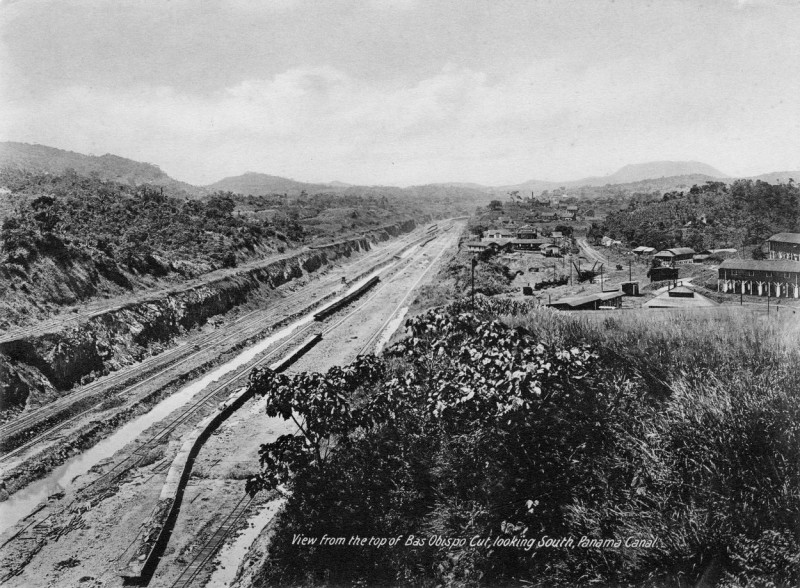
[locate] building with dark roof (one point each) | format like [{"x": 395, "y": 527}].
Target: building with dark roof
[
  {"x": 529, "y": 244},
  {"x": 527, "y": 232},
  {"x": 674, "y": 256},
  {"x": 784, "y": 246},
  {"x": 596, "y": 301},
  {"x": 769, "y": 277}
]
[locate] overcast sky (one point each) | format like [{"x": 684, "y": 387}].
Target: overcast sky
[{"x": 406, "y": 91}]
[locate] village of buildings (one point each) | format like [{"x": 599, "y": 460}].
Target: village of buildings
[{"x": 565, "y": 272}]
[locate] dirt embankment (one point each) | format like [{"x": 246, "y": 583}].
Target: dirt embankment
[{"x": 36, "y": 369}]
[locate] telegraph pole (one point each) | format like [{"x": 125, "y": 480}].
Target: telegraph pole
[{"x": 474, "y": 263}]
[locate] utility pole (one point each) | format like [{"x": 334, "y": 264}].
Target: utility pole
[
  {"x": 570, "y": 269},
  {"x": 630, "y": 271},
  {"x": 474, "y": 263}
]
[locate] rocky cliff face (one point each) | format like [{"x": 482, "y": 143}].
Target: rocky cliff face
[{"x": 34, "y": 370}]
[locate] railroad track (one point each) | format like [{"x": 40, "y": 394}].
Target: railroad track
[
  {"x": 40, "y": 526},
  {"x": 213, "y": 543},
  {"x": 45, "y": 524},
  {"x": 87, "y": 398},
  {"x": 205, "y": 555}
]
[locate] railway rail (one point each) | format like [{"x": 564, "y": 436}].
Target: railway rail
[
  {"x": 139, "y": 571},
  {"x": 48, "y": 522},
  {"x": 58, "y": 415}
]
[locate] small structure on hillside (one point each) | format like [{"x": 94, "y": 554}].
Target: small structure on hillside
[
  {"x": 680, "y": 297},
  {"x": 784, "y": 246},
  {"x": 630, "y": 288},
  {"x": 529, "y": 244},
  {"x": 498, "y": 234},
  {"x": 527, "y": 232},
  {"x": 659, "y": 274},
  {"x": 478, "y": 246},
  {"x": 596, "y": 301},
  {"x": 550, "y": 250},
  {"x": 643, "y": 250},
  {"x": 675, "y": 256}
]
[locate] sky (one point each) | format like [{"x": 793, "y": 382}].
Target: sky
[{"x": 406, "y": 91}]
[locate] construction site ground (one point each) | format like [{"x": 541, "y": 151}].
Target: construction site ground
[{"x": 89, "y": 543}]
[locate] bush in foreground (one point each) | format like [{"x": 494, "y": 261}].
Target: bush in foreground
[{"x": 473, "y": 428}]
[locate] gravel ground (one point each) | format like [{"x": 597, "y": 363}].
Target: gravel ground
[{"x": 99, "y": 544}]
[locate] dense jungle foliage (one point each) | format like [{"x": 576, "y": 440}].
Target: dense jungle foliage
[
  {"x": 519, "y": 424},
  {"x": 67, "y": 237},
  {"x": 714, "y": 215}
]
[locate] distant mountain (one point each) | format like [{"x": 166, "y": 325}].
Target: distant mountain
[
  {"x": 652, "y": 170},
  {"x": 258, "y": 184},
  {"x": 662, "y": 171},
  {"x": 776, "y": 177},
  {"x": 42, "y": 159}
]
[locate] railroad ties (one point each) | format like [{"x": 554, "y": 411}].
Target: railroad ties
[
  {"x": 213, "y": 543},
  {"x": 140, "y": 568}
]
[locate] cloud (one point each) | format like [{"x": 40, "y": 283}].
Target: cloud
[{"x": 320, "y": 123}]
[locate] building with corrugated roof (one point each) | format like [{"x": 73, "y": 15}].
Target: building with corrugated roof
[{"x": 769, "y": 277}]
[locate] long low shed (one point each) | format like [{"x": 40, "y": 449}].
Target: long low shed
[
  {"x": 589, "y": 301},
  {"x": 769, "y": 277}
]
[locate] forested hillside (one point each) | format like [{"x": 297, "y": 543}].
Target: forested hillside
[
  {"x": 713, "y": 215},
  {"x": 49, "y": 160},
  {"x": 68, "y": 237}
]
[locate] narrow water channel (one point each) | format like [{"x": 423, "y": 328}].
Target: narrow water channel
[{"x": 22, "y": 503}]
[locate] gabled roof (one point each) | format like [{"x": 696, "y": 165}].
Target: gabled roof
[
  {"x": 586, "y": 298},
  {"x": 531, "y": 241},
  {"x": 643, "y": 249},
  {"x": 765, "y": 265},
  {"x": 675, "y": 251},
  {"x": 786, "y": 238}
]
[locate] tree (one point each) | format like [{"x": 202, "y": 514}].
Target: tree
[{"x": 495, "y": 205}]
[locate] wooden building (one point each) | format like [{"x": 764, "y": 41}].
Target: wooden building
[
  {"x": 771, "y": 277},
  {"x": 527, "y": 232},
  {"x": 529, "y": 244},
  {"x": 499, "y": 234},
  {"x": 675, "y": 256},
  {"x": 784, "y": 246}
]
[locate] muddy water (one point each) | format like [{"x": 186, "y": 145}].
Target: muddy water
[{"x": 22, "y": 503}]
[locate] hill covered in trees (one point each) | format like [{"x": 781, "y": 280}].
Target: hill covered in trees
[
  {"x": 49, "y": 160},
  {"x": 712, "y": 215},
  {"x": 67, "y": 237}
]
